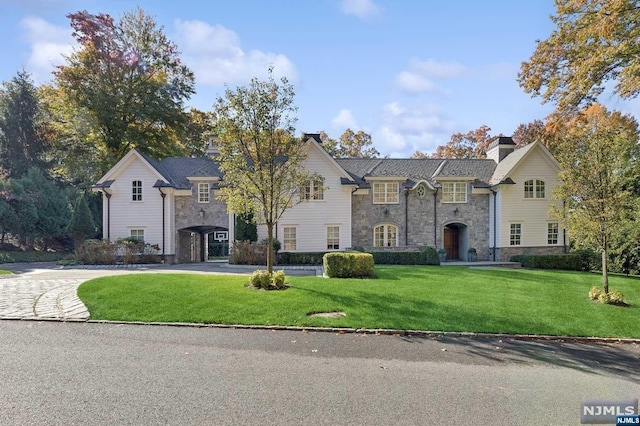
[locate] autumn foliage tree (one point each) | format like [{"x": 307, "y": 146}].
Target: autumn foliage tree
[
  {"x": 350, "y": 145},
  {"x": 465, "y": 145},
  {"x": 595, "y": 41},
  {"x": 598, "y": 151},
  {"x": 125, "y": 84}
]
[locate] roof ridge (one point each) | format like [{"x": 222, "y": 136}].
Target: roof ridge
[{"x": 439, "y": 169}]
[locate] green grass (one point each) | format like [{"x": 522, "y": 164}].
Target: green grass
[
  {"x": 4, "y": 272},
  {"x": 410, "y": 298}
]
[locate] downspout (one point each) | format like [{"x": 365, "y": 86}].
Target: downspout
[
  {"x": 435, "y": 219},
  {"x": 564, "y": 231},
  {"x": 495, "y": 214},
  {"x": 406, "y": 217},
  {"x": 108, "y": 195},
  {"x": 163, "y": 195}
]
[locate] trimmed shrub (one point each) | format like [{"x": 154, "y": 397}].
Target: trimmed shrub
[
  {"x": 348, "y": 265},
  {"x": 590, "y": 260},
  {"x": 568, "y": 262},
  {"x": 594, "y": 293},
  {"x": 261, "y": 279},
  {"x": 426, "y": 256},
  {"x": 308, "y": 258},
  {"x": 31, "y": 256},
  {"x": 616, "y": 298}
]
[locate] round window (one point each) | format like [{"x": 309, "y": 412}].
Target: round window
[{"x": 421, "y": 191}]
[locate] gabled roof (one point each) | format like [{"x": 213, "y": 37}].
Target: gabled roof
[
  {"x": 173, "y": 171},
  {"x": 481, "y": 169},
  {"x": 506, "y": 166}
]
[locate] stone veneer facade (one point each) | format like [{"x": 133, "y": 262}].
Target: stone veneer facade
[
  {"x": 416, "y": 229},
  {"x": 505, "y": 253}
]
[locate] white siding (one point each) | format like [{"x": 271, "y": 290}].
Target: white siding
[
  {"x": 311, "y": 218},
  {"x": 127, "y": 214},
  {"x": 533, "y": 213}
]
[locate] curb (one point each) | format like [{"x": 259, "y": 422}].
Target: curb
[{"x": 340, "y": 330}]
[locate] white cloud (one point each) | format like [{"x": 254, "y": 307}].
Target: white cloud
[
  {"x": 421, "y": 75},
  {"x": 404, "y": 130},
  {"x": 344, "y": 120},
  {"x": 48, "y": 43},
  {"x": 362, "y": 9},
  {"x": 214, "y": 54}
]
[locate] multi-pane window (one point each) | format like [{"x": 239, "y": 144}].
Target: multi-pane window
[
  {"x": 385, "y": 236},
  {"x": 552, "y": 233},
  {"x": 289, "y": 238},
  {"x": 312, "y": 191},
  {"x": 454, "y": 192},
  {"x": 534, "y": 189},
  {"x": 333, "y": 237},
  {"x": 385, "y": 192},
  {"x": 203, "y": 192},
  {"x": 137, "y": 234},
  {"x": 515, "y": 236},
  {"x": 136, "y": 190}
]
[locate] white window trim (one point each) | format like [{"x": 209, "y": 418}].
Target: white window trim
[
  {"x": 141, "y": 191},
  {"x": 208, "y": 192},
  {"x": 535, "y": 182},
  {"x": 385, "y": 235},
  {"x": 455, "y": 184},
  {"x": 295, "y": 238},
  {"x": 511, "y": 234},
  {"x": 312, "y": 191},
  {"x": 337, "y": 239},
  {"x": 557, "y": 233},
  {"x": 132, "y": 230},
  {"x": 386, "y": 192}
]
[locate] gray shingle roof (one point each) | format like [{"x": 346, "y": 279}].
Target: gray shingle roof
[
  {"x": 505, "y": 166},
  {"x": 176, "y": 170},
  {"x": 417, "y": 169}
]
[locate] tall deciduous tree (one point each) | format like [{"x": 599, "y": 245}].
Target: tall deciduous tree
[
  {"x": 127, "y": 86},
  {"x": 22, "y": 137},
  {"x": 527, "y": 133},
  {"x": 465, "y": 145},
  {"x": 595, "y": 41},
  {"x": 599, "y": 155},
  {"x": 350, "y": 145},
  {"x": 259, "y": 154}
]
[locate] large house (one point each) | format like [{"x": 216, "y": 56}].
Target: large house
[{"x": 500, "y": 206}]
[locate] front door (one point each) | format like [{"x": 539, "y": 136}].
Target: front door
[{"x": 451, "y": 242}]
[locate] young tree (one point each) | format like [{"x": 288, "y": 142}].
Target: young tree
[
  {"x": 599, "y": 155},
  {"x": 259, "y": 155},
  {"x": 594, "y": 41},
  {"x": 81, "y": 225},
  {"x": 465, "y": 145},
  {"x": 22, "y": 139},
  {"x": 127, "y": 86}
]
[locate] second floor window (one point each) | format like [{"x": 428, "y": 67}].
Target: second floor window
[
  {"x": 136, "y": 190},
  {"x": 385, "y": 192},
  {"x": 203, "y": 192},
  {"x": 312, "y": 191},
  {"x": 454, "y": 192},
  {"x": 534, "y": 188}
]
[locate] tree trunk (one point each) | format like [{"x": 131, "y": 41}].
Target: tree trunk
[
  {"x": 270, "y": 247},
  {"x": 605, "y": 275}
]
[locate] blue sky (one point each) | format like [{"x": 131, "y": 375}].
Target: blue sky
[{"x": 409, "y": 72}]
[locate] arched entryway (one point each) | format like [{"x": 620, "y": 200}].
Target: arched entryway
[
  {"x": 193, "y": 242},
  {"x": 456, "y": 240}
]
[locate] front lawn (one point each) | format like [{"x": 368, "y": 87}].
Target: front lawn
[
  {"x": 5, "y": 272},
  {"x": 401, "y": 297}
]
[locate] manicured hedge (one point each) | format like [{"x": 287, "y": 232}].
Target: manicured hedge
[
  {"x": 427, "y": 256},
  {"x": 569, "y": 262},
  {"x": 348, "y": 265},
  {"x": 307, "y": 258},
  {"x": 30, "y": 256}
]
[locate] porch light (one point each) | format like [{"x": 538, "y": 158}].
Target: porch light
[{"x": 201, "y": 213}]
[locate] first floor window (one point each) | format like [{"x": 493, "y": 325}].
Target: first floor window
[
  {"x": 454, "y": 192},
  {"x": 552, "y": 233},
  {"x": 385, "y": 236},
  {"x": 516, "y": 234},
  {"x": 333, "y": 237},
  {"x": 289, "y": 238},
  {"x": 203, "y": 192},
  {"x": 137, "y": 234},
  {"x": 385, "y": 193},
  {"x": 136, "y": 190}
]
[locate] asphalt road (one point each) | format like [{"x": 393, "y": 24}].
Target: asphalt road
[{"x": 54, "y": 373}]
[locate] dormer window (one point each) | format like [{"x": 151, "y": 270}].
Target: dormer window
[{"x": 534, "y": 189}]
